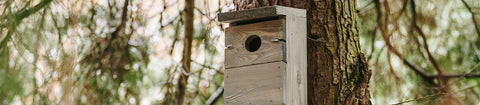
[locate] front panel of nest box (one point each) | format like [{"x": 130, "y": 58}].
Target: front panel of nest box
[
  {"x": 254, "y": 62},
  {"x": 254, "y": 43}
]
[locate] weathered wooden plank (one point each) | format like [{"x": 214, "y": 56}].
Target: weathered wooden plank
[
  {"x": 250, "y": 14},
  {"x": 296, "y": 56},
  {"x": 259, "y": 13},
  {"x": 237, "y": 55},
  {"x": 255, "y": 85}
]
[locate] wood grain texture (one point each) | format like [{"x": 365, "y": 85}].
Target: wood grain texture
[
  {"x": 269, "y": 51},
  {"x": 296, "y": 56},
  {"x": 258, "y": 13},
  {"x": 290, "y": 26},
  {"x": 255, "y": 85},
  {"x": 246, "y": 15}
]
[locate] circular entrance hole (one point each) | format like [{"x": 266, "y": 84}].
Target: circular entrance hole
[{"x": 253, "y": 43}]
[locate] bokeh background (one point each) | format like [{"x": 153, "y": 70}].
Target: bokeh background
[{"x": 130, "y": 51}]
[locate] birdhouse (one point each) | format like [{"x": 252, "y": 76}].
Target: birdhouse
[{"x": 265, "y": 56}]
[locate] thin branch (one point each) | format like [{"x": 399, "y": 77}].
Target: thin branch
[
  {"x": 364, "y": 7},
  {"x": 19, "y": 16},
  {"x": 374, "y": 34},
  {"x": 422, "y": 34},
  {"x": 383, "y": 29},
  {"x": 175, "y": 36},
  {"x": 391, "y": 68},
  {"x": 404, "y": 7},
  {"x": 475, "y": 23},
  {"x": 415, "y": 39},
  {"x": 475, "y": 93},
  {"x": 466, "y": 75},
  {"x": 203, "y": 65},
  {"x": 456, "y": 76},
  {"x": 215, "y": 96},
  {"x": 208, "y": 67},
  {"x": 418, "y": 99},
  {"x": 123, "y": 20}
]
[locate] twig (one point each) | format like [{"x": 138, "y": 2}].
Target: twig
[
  {"x": 374, "y": 34},
  {"x": 19, "y": 16},
  {"x": 391, "y": 68},
  {"x": 415, "y": 39},
  {"x": 473, "y": 17},
  {"x": 209, "y": 67},
  {"x": 203, "y": 65},
  {"x": 474, "y": 93},
  {"x": 467, "y": 75},
  {"x": 175, "y": 36},
  {"x": 122, "y": 22},
  {"x": 383, "y": 29},
  {"x": 215, "y": 96},
  {"x": 168, "y": 84},
  {"x": 365, "y": 6},
  {"x": 417, "y": 99},
  {"x": 404, "y": 7},
  {"x": 425, "y": 45},
  {"x": 456, "y": 76}
]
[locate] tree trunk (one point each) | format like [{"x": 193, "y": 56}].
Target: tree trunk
[{"x": 337, "y": 70}]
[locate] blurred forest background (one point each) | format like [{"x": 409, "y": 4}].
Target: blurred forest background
[{"x": 136, "y": 51}]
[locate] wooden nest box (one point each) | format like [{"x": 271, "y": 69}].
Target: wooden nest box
[{"x": 266, "y": 56}]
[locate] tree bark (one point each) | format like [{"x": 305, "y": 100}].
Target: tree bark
[{"x": 337, "y": 71}]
